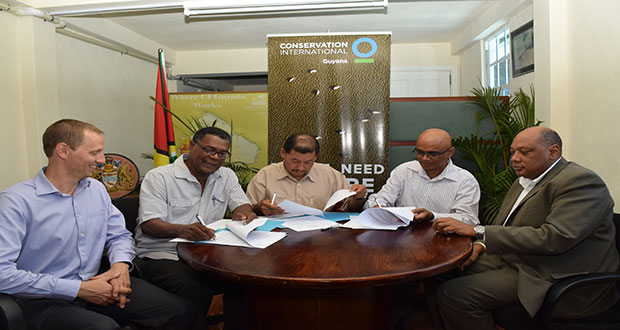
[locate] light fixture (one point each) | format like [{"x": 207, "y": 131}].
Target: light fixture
[{"x": 233, "y": 8}]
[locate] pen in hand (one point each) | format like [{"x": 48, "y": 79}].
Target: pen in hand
[
  {"x": 273, "y": 199},
  {"x": 200, "y": 220}
]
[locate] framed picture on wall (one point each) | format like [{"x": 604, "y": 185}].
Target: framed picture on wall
[{"x": 522, "y": 49}]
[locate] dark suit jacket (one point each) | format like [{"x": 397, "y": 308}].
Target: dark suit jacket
[{"x": 562, "y": 227}]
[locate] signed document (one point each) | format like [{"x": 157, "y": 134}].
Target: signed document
[
  {"x": 389, "y": 218},
  {"x": 234, "y": 233},
  {"x": 292, "y": 207}
]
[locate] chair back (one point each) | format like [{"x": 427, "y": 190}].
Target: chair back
[
  {"x": 616, "y": 220},
  {"x": 129, "y": 208}
]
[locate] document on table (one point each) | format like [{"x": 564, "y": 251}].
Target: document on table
[
  {"x": 386, "y": 217},
  {"x": 338, "y": 196},
  {"x": 309, "y": 222},
  {"x": 234, "y": 233},
  {"x": 294, "y": 208},
  {"x": 354, "y": 224}
]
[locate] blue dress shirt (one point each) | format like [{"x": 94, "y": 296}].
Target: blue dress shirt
[{"x": 51, "y": 241}]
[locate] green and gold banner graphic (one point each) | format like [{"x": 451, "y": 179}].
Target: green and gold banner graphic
[
  {"x": 243, "y": 115},
  {"x": 335, "y": 87}
]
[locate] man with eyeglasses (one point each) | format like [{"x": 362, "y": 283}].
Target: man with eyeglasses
[
  {"x": 299, "y": 179},
  {"x": 432, "y": 184},
  {"x": 173, "y": 200}
]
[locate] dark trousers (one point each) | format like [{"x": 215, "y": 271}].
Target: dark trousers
[
  {"x": 178, "y": 278},
  {"x": 466, "y": 302},
  {"x": 149, "y": 307}
]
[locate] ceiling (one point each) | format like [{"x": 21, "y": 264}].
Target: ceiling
[{"x": 410, "y": 21}]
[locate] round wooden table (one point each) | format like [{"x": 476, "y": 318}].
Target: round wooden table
[{"x": 335, "y": 279}]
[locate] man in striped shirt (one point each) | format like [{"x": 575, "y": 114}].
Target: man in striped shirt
[{"x": 431, "y": 185}]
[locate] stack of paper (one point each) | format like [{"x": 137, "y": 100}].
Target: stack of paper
[
  {"x": 309, "y": 222},
  {"x": 229, "y": 232},
  {"x": 292, "y": 207},
  {"x": 387, "y": 218}
]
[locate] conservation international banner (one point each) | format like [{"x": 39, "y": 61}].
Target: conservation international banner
[
  {"x": 335, "y": 87},
  {"x": 245, "y": 114}
]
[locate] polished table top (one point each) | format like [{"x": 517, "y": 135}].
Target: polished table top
[{"x": 336, "y": 257}]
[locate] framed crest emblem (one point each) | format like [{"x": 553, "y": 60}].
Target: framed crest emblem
[{"x": 118, "y": 174}]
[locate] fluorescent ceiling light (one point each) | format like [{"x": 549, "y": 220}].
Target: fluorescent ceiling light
[{"x": 215, "y": 8}]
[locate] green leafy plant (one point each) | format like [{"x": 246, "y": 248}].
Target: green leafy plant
[
  {"x": 243, "y": 171},
  {"x": 490, "y": 151}
]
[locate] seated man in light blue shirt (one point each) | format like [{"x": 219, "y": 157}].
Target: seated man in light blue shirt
[
  {"x": 54, "y": 229},
  {"x": 172, "y": 198}
]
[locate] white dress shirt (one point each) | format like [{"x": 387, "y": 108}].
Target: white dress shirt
[
  {"x": 172, "y": 194},
  {"x": 453, "y": 193}
]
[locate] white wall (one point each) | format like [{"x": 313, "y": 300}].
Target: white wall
[
  {"x": 12, "y": 128},
  {"x": 110, "y": 91},
  {"x": 578, "y": 88},
  {"x": 255, "y": 60},
  {"x": 471, "y": 68},
  {"x": 427, "y": 54},
  {"x": 221, "y": 61},
  {"x": 47, "y": 76},
  {"x": 469, "y": 44}
]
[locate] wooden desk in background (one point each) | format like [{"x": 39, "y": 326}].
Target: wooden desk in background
[{"x": 335, "y": 279}]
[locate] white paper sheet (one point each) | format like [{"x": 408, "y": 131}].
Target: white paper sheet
[
  {"x": 354, "y": 224},
  {"x": 294, "y": 208},
  {"x": 240, "y": 235},
  {"x": 219, "y": 224},
  {"x": 283, "y": 216},
  {"x": 309, "y": 222},
  {"x": 337, "y": 197},
  {"x": 257, "y": 239},
  {"x": 242, "y": 230},
  {"x": 386, "y": 217},
  {"x": 262, "y": 239}
]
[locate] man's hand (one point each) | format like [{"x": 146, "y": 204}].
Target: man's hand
[
  {"x": 244, "y": 212},
  {"x": 97, "y": 290},
  {"x": 360, "y": 190},
  {"x": 477, "y": 250},
  {"x": 245, "y": 217},
  {"x": 422, "y": 215},
  {"x": 121, "y": 285},
  {"x": 196, "y": 232},
  {"x": 270, "y": 209},
  {"x": 451, "y": 225}
]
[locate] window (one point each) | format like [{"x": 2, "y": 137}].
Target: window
[{"x": 497, "y": 53}]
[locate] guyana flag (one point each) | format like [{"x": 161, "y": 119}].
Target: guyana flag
[{"x": 165, "y": 149}]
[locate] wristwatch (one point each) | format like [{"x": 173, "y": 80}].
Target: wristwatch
[{"x": 479, "y": 230}]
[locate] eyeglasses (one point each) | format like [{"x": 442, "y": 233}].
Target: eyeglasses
[
  {"x": 211, "y": 151},
  {"x": 421, "y": 153}
]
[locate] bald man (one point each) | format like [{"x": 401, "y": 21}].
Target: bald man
[
  {"x": 434, "y": 186},
  {"x": 299, "y": 179},
  {"x": 555, "y": 222}
]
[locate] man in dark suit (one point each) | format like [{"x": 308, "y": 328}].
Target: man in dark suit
[{"x": 555, "y": 221}]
